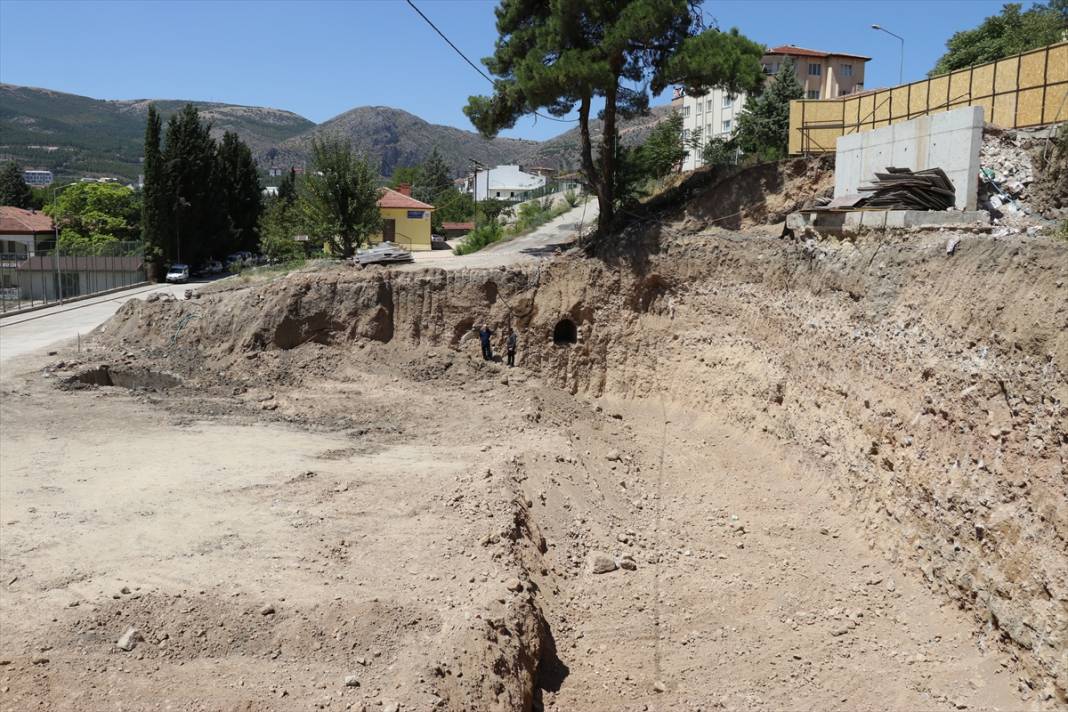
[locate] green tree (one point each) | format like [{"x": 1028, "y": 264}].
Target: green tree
[
  {"x": 95, "y": 217},
  {"x": 412, "y": 175},
  {"x": 339, "y": 197},
  {"x": 719, "y": 151},
  {"x": 287, "y": 189},
  {"x": 665, "y": 148},
  {"x": 189, "y": 195},
  {"x": 452, "y": 206},
  {"x": 764, "y": 124},
  {"x": 435, "y": 176},
  {"x": 14, "y": 190},
  {"x": 240, "y": 192},
  {"x": 1011, "y": 32},
  {"x": 153, "y": 212},
  {"x": 559, "y": 56},
  {"x": 279, "y": 225}
]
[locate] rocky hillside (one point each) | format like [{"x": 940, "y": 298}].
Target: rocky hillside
[
  {"x": 563, "y": 151},
  {"x": 393, "y": 138},
  {"x": 76, "y": 135}
]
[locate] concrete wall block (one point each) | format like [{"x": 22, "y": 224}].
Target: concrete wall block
[{"x": 948, "y": 140}]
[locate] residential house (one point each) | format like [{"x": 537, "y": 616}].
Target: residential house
[
  {"x": 406, "y": 221},
  {"x": 20, "y": 230},
  {"x": 504, "y": 183},
  {"x": 822, "y": 75}
]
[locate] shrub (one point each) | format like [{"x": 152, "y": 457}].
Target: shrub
[{"x": 481, "y": 236}]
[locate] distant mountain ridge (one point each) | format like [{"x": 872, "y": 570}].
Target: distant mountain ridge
[{"x": 74, "y": 135}]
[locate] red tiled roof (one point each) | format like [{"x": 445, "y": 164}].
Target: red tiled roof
[
  {"x": 16, "y": 221},
  {"x": 802, "y": 52},
  {"x": 457, "y": 226},
  {"x": 392, "y": 199}
]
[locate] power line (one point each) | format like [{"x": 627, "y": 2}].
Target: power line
[{"x": 474, "y": 66}]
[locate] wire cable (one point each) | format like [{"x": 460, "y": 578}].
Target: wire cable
[{"x": 474, "y": 66}]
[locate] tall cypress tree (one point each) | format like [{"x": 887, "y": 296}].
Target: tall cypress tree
[
  {"x": 190, "y": 199},
  {"x": 152, "y": 230},
  {"x": 241, "y": 192},
  {"x": 13, "y": 188},
  {"x": 435, "y": 175}
]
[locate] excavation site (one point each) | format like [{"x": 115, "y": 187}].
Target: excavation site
[{"x": 735, "y": 467}]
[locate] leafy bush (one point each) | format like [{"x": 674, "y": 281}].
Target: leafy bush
[
  {"x": 572, "y": 198},
  {"x": 719, "y": 152},
  {"x": 481, "y": 236}
]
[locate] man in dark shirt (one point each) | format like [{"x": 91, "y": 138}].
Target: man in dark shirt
[
  {"x": 513, "y": 341},
  {"x": 484, "y": 335}
]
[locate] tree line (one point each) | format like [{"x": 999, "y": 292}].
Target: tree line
[{"x": 202, "y": 198}]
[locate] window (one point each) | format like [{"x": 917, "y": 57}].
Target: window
[
  {"x": 813, "y": 94},
  {"x": 685, "y": 134},
  {"x": 726, "y": 124},
  {"x": 814, "y": 70},
  {"x": 847, "y": 70},
  {"x": 843, "y": 92},
  {"x": 728, "y": 101},
  {"x": 700, "y": 106},
  {"x": 771, "y": 67},
  {"x": 685, "y": 111}
]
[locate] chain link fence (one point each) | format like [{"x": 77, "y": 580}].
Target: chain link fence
[{"x": 47, "y": 275}]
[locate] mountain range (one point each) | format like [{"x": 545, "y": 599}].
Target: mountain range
[{"x": 75, "y": 136}]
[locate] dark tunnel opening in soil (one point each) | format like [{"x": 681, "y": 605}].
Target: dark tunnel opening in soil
[{"x": 565, "y": 333}]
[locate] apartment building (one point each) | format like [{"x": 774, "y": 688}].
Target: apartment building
[{"x": 822, "y": 74}]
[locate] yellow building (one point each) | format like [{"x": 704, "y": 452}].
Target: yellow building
[{"x": 405, "y": 220}]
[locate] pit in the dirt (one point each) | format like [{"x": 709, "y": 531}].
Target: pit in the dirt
[{"x": 131, "y": 378}]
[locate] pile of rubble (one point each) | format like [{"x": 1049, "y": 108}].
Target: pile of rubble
[{"x": 1007, "y": 174}]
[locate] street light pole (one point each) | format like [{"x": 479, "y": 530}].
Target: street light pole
[{"x": 901, "y": 65}]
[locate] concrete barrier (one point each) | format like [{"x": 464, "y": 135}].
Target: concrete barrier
[{"x": 948, "y": 140}]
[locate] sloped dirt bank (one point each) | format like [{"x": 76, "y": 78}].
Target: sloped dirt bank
[{"x": 930, "y": 386}]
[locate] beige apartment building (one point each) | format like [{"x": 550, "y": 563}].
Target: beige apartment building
[{"x": 823, "y": 75}]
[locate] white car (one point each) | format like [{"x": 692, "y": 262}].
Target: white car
[{"x": 178, "y": 274}]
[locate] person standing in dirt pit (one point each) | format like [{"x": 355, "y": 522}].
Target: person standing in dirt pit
[
  {"x": 484, "y": 335},
  {"x": 513, "y": 341}
]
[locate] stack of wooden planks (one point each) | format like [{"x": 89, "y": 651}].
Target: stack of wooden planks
[{"x": 903, "y": 189}]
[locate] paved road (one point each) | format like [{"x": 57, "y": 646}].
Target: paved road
[
  {"x": 39, "y": 329},
  {"x": 539, "y": 244}
]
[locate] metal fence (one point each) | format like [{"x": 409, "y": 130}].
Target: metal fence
[
  {"x": 47, "y": 276},
  {"x": 1028, "y": 89}
]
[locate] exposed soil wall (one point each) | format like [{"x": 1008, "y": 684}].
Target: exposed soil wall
[{"x": 932, "y": 384}]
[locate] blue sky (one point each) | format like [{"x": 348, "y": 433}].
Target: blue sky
[{"x": 319, "y": 59}]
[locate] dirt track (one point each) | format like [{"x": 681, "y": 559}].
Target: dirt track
[{"x": 765, "y": 474}]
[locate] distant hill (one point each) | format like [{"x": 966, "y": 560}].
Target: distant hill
[
  {"x": 75, "y": 135},
  {"x": 394, "y": 138},
  {"x": 563, "y": 150}
]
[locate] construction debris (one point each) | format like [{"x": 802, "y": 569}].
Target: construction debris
[{"x": 903, "y": 189}]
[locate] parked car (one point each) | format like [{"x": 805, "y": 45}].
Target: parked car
[
  {"x": 437, "y": 242},
  {"x": 212, "y": 267},
  {"x": 178, "y": 274}
]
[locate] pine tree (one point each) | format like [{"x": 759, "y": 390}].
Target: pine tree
[
  {"x": 241, "y": 193},
  {"x": 14, "y": 190},
  {"x": 562, "y": 56},
  {"x": 287, "y": 189},
  {"x": 435, "y": 175},
  {"x": 764, "y": 124},
  {"x": 152, "y": 230}
]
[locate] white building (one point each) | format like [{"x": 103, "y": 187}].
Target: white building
[
  {"x": 503, "y": 183},
  {"x": 821, "y": 74},
  {"x": 38, "y": 179}
]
